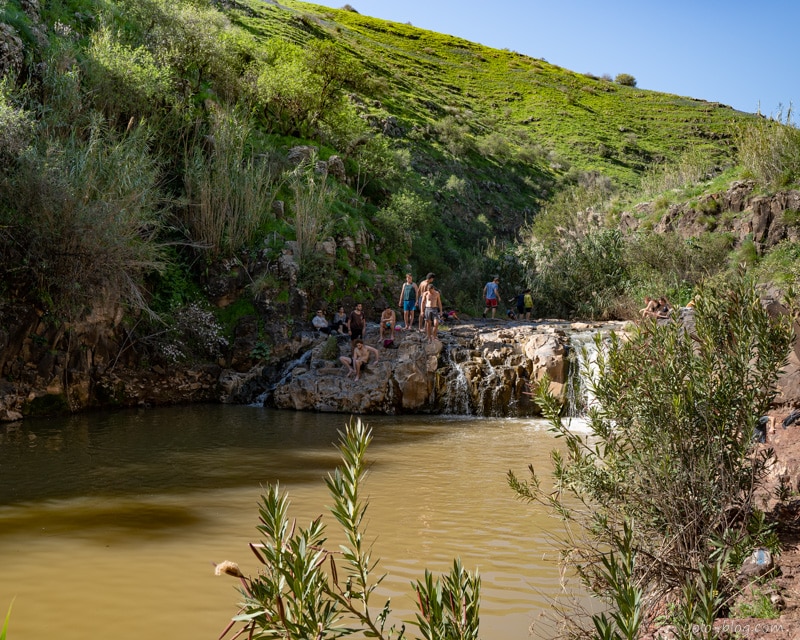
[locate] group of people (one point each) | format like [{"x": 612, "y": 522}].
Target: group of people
[
  {"x": 656, "y": 308},
  {"x": 423, "y": 298},
  {"x": 420, "y": 302},
  {"x": 353, "y": 324}
]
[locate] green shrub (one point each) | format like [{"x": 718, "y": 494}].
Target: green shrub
[
  {"x": 758, "y": 605},
  {"x": 781, "y": 265},
  {"x": 582, "y": 278},
  {"x": 670, "y": 444},
  {"x": 403, "y": 217},
  {"x": 330, "y": 351},
  {"x": 790, "y": 217},
  {"x": 124, "y": 82}
]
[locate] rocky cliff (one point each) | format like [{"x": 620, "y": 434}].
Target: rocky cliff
[{"x": 477, "y": 368}]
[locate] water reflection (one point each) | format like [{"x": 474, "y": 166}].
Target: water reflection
[{"x": 111, "y": 521}]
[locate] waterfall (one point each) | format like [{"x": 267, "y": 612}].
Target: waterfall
[
  {"x": 286, "y": 373},
  {"x": 456, "y": 396},
  {"x": 582, "y": 370}
]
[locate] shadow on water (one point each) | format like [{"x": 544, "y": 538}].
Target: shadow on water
[
  {"x": 152, "y": 452},
  {"x": 118, "y": 521}
]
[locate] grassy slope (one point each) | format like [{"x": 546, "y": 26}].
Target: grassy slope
[{"x": 593, "y": 123}]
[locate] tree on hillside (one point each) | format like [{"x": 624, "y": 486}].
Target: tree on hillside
[
  {"x": 625, "y": 79},
  {"x": 296, "y": 89}
]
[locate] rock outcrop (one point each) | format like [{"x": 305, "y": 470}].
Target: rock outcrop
[
  {"x": 481, "y": 368},
  {"x": 739, "y": 211}
]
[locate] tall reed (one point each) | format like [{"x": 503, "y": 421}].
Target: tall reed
[
  {"x": 769, "y": 149},
  {"x": 229, "y": 188}
]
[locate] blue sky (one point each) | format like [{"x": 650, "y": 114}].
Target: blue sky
[{"x": 743, "y": 54}]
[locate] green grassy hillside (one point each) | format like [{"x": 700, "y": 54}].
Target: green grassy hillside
[{"x": 146, "y": 149}]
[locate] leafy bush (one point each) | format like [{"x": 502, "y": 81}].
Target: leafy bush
[
  {"x": 300, "y": 592},
  {"x": 192, "y": 40},
  {"x": 670, "y": 446},
  {"x": 665, "y": 263},
  {"x": 693, "y": 166},
  {"x": 296, "y": 89},
  {"x": 404, "y": 216},
  {"x": 124, "y": 82},
  {"x": 582, "y": 278}
]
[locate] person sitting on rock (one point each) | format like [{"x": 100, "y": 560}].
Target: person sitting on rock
[
  {"x": 360, "y": 358},
  {"x": 663, "y": 310},
  {"x": 650, "y": 309},
  {"x": 321, "y": 323},
  {"x": 388, "y": 323},
  {"x": 340, "y": 321}
]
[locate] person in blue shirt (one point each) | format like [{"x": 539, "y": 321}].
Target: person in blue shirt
[{"x": 491, "y": 294}]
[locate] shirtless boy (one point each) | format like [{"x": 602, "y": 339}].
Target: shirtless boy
[
  {"x": 420, "y": 291},
  {"x": 431, "y": 303},
  {"x": 361, "y": 354}
]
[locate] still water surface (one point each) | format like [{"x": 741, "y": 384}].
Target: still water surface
[{"x": 109, "y": 523}]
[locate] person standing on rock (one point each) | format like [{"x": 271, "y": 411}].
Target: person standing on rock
[
  {"x": 409, "y": 300},
  {"x": 357, "y": 324},
  {"x": 420, "y": 291},
  {"x": 527, "y": 298},
  {"x": 361, "y": 354},
  {"x": 431, "y": 303},
  {"x": 491, "y": 294}
]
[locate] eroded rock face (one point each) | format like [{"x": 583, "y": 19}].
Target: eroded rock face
[{"x": 473, "y": 369}]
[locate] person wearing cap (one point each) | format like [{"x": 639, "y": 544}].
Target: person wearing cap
[
  {"x": 421, "y": 290},
  {"x": 491, "y": 294}
]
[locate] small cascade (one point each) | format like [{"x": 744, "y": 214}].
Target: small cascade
[
  {"x": 582, "y": 361},
  {"x": 283, "y": 378},
  {"x": 456, "y": 395}
]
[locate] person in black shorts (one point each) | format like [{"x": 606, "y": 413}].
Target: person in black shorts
[{"x": 357, "y": 324}]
